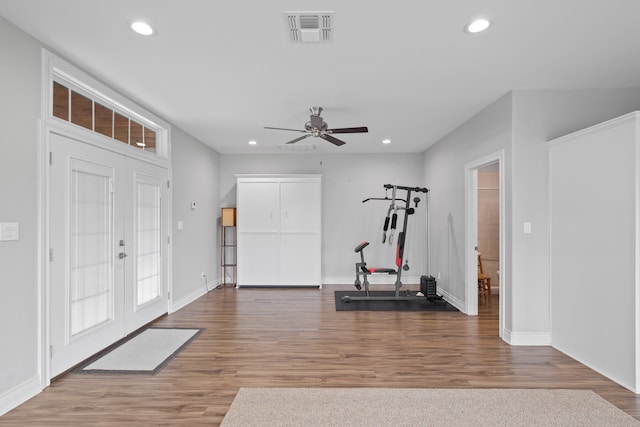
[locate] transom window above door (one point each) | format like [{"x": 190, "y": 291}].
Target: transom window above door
[{"x": 74, "y": 107}]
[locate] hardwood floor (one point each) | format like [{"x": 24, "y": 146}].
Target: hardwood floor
[{"x": 295, "y": 338}]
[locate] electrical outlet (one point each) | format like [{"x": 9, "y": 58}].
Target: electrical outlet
[{"x": 203, "y": 275}]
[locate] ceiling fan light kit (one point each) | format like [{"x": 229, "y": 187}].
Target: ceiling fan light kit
[{"x": 317, "y": 127}]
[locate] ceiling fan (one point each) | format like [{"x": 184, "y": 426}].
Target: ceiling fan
[{"x": 317, "y": 127}]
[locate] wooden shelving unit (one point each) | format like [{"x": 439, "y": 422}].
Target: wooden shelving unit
[{"x": 228, "y": 247}]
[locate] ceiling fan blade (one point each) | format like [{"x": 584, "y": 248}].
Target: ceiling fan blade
[
  {"x": 294, "y": 130},
  {"x": 349, "y": 130},
  {"x": 332, "y": 140},
  {"x": 298, "y": 139}
]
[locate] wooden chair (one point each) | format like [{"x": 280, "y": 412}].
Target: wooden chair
[{"x": 484, "y": 282}]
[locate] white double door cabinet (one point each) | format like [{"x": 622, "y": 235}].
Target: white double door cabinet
[{"x": 279, "y": 230}]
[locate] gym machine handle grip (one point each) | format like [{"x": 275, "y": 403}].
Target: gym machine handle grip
[
  {"x": 394, "y": 221},
  {"x": 384, "y": 230}
]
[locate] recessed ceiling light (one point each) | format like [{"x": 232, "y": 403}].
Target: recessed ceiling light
[
  {"x": 252, "y": 142},
  {"x": 386, "y": 141},
  {"x": 143, "y": 28},
  {"x": 477, "y": 26}
]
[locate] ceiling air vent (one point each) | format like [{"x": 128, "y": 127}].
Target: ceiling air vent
[{"x": 309, "y": 27}]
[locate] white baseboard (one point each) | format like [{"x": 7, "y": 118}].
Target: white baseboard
[
  {"x": 192, "y": 296},
  {"x": 457, "y": 303},
  {"x": 19, "y": 394},
  {"x": 526, "y": 338},
  {"x": 628, "y": 383}
]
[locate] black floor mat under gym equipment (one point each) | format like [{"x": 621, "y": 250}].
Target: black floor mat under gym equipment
[{"x": 420, "y": 304}]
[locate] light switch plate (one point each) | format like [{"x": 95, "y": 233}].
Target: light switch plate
[{"x": 9, "y": 231}]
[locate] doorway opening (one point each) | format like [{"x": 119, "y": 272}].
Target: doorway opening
[
  {"x": 488, "y": 250},
  {"x": 484, "y": 211}
]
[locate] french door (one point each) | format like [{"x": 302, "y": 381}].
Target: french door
[{"x": 108, "y": 234}]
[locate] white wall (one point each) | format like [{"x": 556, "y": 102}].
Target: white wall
[
  {"x": 196, "y": 178},
  {"x": 521, "y": 123},
  {"x": 19, "y": 311},
  {"x": 346, "y": 221},
  {"x": 444, "y": 172},
  {"x": 593, "y": 180},
  {"x": 538, "y": 117}
]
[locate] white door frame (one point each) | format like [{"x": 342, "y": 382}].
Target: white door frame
[
  {"x": 471, "y": 232},
  {"x": 51, "y": 65},
  {"x": 85, "y": 137}
]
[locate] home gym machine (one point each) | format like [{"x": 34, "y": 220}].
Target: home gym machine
[{"x": 390, "y": 223}]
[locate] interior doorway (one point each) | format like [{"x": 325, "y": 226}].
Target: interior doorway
[
  {"x": 484, "y": 231},
  {"x": 489, "y": 235}
]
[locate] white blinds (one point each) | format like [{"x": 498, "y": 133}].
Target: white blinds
[
  {"x": 91, "y": 231},
  {"x": 148, "y": 242}
]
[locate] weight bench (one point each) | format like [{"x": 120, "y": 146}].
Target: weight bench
[{"x": 361, "y": 267}]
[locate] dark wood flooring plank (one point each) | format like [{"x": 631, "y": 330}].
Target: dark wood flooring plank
[{"x": 287, "y": 337}]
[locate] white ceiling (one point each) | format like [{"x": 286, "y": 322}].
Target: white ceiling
[{"x": 222, "y": 70}]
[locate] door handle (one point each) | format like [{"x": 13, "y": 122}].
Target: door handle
[{"x": 122, "y": 255}]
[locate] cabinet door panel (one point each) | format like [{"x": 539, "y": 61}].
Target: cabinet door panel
[
  {"x": 258, "y": 206},
  {"x": 300, "y": 259},
  {"x": 257, "y": 259},
  {"x": 300, "y": 206}
]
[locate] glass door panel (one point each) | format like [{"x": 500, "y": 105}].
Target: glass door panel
[
  {"x": 149, "y": 232},
  {"x": 91, "y": 237},
  {"x": 146, "y": 224}
]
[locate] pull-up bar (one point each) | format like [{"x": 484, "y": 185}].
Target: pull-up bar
[{"x": 400, "y": 187}]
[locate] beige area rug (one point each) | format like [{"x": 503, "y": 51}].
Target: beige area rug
[{"x": 421, "y": 407}]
